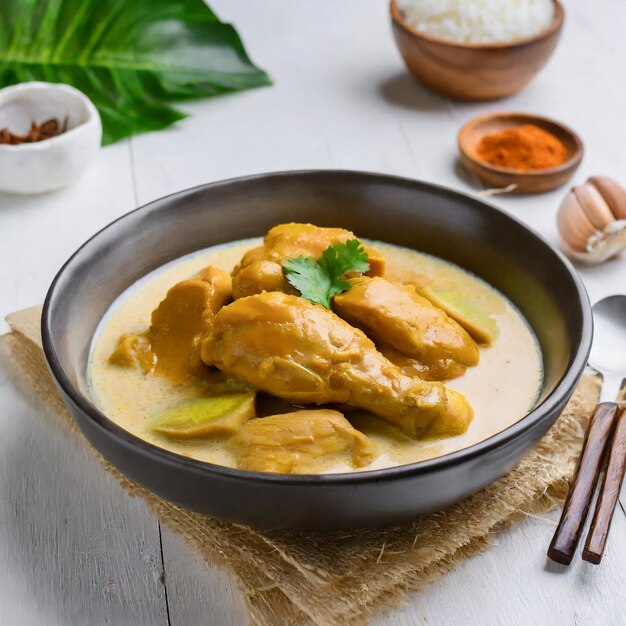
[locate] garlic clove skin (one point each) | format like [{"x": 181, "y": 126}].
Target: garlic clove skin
[
  {"x": 613, "y": 193},
  {"x": 592, "y": 220},
  {"x": 609, "y": 243},
  {"x": 594, "y": 206},
  {"x": 574, "y": 226},
  {"x": 602, "y": 246}
]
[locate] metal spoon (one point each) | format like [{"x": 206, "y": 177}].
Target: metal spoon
[
  {"x": 608, "y": 352},
  {"x": 608, "y": 356}
]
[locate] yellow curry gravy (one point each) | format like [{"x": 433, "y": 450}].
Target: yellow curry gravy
[{"x": 502, "y": 388}]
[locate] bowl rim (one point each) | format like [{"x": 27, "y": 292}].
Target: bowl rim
[
  {"x": 531, "y": 118},
  {"x": 93, "y": 116},
  {"x": 564, "y": 386},
  {"x": 554, "y": 26}
]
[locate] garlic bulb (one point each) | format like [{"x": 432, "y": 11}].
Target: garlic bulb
[{"x": 592, "y": 220}]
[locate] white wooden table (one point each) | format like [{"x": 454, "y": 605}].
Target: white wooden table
[{"x": 75, "y": 549}]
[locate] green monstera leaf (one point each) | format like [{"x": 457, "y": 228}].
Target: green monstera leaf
[{"x": 131, "y": 57}]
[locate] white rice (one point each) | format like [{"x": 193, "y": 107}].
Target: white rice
[{"x": 478, "y": 21}]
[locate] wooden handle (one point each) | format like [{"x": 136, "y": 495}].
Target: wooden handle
[
  {"x": 609, "y": 494},
  {"x": 576, "y": 506}
]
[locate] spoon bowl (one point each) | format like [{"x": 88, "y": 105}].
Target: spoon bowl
[{"x": 608, "y": 351}]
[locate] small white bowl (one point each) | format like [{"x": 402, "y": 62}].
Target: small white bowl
[{"x": 51, "y": 163}]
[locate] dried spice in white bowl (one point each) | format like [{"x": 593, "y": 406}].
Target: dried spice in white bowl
[
  {"x": 38, "y": 132},
  {"x": 50, "y": 133}
]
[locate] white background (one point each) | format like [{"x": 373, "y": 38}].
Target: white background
[{"x": 75, "y": 549}]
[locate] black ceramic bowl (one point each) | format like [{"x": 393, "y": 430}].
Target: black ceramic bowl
[{"x": 418, "y": 215}]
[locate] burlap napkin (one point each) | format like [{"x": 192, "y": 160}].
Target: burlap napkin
[{"x": 344, "y": 577}]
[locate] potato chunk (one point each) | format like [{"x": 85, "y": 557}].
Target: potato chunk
[
  {"x": 300, "y": 442},
  {"x": 204, "y": 417}
]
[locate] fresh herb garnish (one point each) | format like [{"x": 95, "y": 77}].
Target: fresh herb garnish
[{"x": 319, "y": 280}]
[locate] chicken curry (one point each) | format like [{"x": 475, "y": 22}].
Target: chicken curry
[{"x": 310, "y": 351}]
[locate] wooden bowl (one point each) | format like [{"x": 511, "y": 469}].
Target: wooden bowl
[
  {"x": 480, "y": 71},
  {"x": 533, "y": 181}
]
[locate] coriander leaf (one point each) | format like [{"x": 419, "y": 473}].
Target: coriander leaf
[
  {"x": 319, "y": 280},
  {"x": 132, "y": 58},
  {"x": 339, "y": 260},
  {"x": 304, "y": 274}
]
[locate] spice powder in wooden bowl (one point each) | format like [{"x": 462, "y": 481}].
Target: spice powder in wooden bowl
[
  {"x": 522, "y": 148},
  {"x": 526, "y": 152}
]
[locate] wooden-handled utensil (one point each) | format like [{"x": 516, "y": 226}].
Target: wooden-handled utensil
[
  {"x": 609, "y": 494},
  {"x": 606, "y": 436},
  {"x": 576, "y": 506}
]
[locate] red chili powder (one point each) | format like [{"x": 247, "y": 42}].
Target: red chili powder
[{"x": 526, "y": 147}]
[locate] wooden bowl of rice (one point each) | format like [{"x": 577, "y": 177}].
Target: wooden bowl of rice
[{"x": 474, "y": 71}]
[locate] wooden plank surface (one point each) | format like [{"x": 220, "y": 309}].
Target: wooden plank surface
[{"x": 74, "y": 549}]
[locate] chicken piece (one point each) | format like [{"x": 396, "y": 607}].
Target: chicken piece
[
  {"x": 179, "y": 324},
  {"x": 300, "y": 442},
  {"x": 408, "y": 277},
  {"x": 171, "y": 346},
  {"x": 221, "y": 284},
  {"x": 302, "y": 352},
  {"x": 261, "y": 269},
  {"x": 395, "y": 314},
  {"x": 444, "y": 369},
  {"x": 259, "y": 276},
  {"x": 132, "y": 350}
]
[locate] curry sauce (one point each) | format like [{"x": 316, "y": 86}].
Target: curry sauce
[{"x": 501, "y": 388}]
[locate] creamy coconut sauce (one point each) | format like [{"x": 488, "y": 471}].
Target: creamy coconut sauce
[{"x": 502, "y": 388}]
